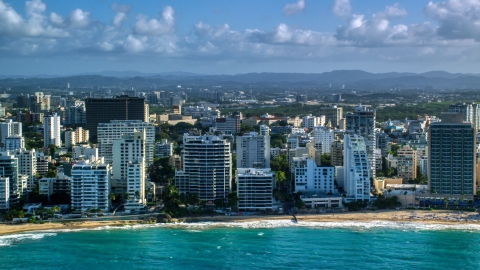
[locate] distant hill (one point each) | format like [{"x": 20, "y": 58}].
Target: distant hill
[{"x": 351, "y": 79}]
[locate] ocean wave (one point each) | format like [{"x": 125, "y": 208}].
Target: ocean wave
[{"x": 8, "y": 240}]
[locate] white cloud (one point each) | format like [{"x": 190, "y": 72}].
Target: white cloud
[
  {"x": 133, "y": 44},
  {"x": 121, "y": 13},
  {"x": 35, "y": 7},
  {"x": 293, "y": 9},
  {"x": 342, "y": 8},
  {"x": 165, "y": 25},
  {"x": 79, "y": 19}
]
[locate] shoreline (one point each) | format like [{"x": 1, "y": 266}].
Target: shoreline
[{"x": 439, "y": 217}]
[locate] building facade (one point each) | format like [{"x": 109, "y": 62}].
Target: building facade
[
  {"x": 356, "y": 168},
  {"x": 312, "y": 177},
  {"x": 51, "y": 131},
  {"x": 90, "y": 186},
  {"x": 255, "y": 189},
  {"x": 253, "y": 150}
]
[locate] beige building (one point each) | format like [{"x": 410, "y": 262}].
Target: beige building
[{"x": 407, "y": 163}]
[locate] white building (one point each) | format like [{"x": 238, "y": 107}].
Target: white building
[
  {"x": 27, "y": 165},
  {"x": 164, "y": 148},
  {"x": 10, "y": 128},
  {"x": 424, "y": 165},
  {"x": 324, "y": 135},
  {"x": 200, "y": 111},
  {"x": 4, "y": 193},
  {"x": 14, "y": 142},
  {"x": 130, "y": 147},
  {"x": 311, "y": 177},
  {"x": 255, "y": 189},
  {"x": 90, "y": 186},
  {"x": 135, "y": 185},
  {"x": 356, "y": 168},
  {"x": 51, "y": 130},
  {"x": 110, "y": 132},
  {"x": 310, "y": 121},
  {"x": 207, "y": 164},
  {"x": 9, "y": 169},
  {"x": 253, "y": 150},
  {"x": 86, "y": 151}
]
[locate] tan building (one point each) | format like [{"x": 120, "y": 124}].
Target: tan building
[
  {"x": 407, "y": 163},
  {"x": 336, "y": 153}
]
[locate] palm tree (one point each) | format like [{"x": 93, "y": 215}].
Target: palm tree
[
  {"x": 445, "y": 201},
  {"x": 137, "y": 195},
  {"x": 55, "y": 209},
  {"x": 112, "y": 198},
  {"x": 127, "y": 196}
]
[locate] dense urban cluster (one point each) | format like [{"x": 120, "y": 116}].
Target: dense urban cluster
[{"x": 101, "y": 152}]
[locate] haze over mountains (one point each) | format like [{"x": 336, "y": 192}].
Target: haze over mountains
[{"x": 351, "y": 79}]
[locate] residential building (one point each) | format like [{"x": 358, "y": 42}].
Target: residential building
[
  {"x": 86, "y": 151},
  {"x": 27, "y": 165},
  {"x": 356, "y": 168},
  {"x": 362, "y": 123},
  {"x": 201, "y": 111},
  {"x": 4, "y": 193},
  {"x": 424, "y": 165},
  {"x": 207, "y": 164},
  {"x": 255, "y": 189},
  {"x": 14, "y": 142},
  {"x": 227, "y": 124},
  {"x": 110, "y": 132},
  {"x": 407, "y": 163},
  {"x": 130, "y": 147},
  {"x": 311, "y": 122},
  {"x": 470, "y": 112},
  {"x": 9, "y": 128},
  {"x": 9, "y": 169},
  {"x": 103, "y": 110},
  {"x": 163, "y": 148},
  {"x": 336, "y": 153},
  {"x": 452, "y": 157},
  {"x": 90, "y": 186},
  {"x": 253, "y": 150},
  {"x": 79, "y": 135},
  {"x": 51, "y": 131},
  {"x": 76, "y": 114},
  {"x": 332, "y": 114},
  {"x": 324, "y": 135},
  {"x": 135, "y": 185},
  {"x": 312, "y": 177}
]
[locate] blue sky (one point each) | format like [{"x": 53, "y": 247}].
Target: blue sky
[{"x": 228, "y": 37}]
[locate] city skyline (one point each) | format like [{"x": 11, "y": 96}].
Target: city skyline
[{"x": 215, "y": 37}]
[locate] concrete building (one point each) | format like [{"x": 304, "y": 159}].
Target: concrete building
[
  {"x": 424, "y": 165},
  {"x": 4, "y": 193},
  {"x": 207, "y": 164},
  {"x": 76, "y": 114},
  {"x": 253, "y": 150},
  {"x": 470, "y": 112},
  {"x": 129, "y": 148},
  {"x": 255, "y": 189},
  {"x": 86, "y": 151},
  {"x": 201, "y": 111},
  {"x": 336, "y": 153},
  {"x": 9, "y": 169},
  {"x": 452, "y": 157},
  {"x": 356, "y": 168},
  {"x": 135, "y": 185},
  {"x": 104, "y": 110},
  {"x": 27, "y": 165},
  {"x": 407, "y": 163},
  {"x": 9, "y": 128},
  {"x": 79, "y": 135},
  {"x": 163, "y": 149},
  {"x": 109, "y": 132},
  {"x": 51, "y": 130},
  {"x": 14, "y": 142},
  {"x": 362, "y": 123},
  {"x": 332, "y": 114},
  {"x": 310, "y": 121},
  {"x": 227, "y": 124},
  {"x": 90, "y": 186},
  {"x": 324, "y": 135},
  {"x": 312, "y": 177}
]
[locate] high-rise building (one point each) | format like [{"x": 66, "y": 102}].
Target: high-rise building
[
  {"x": 164, "y": 148},
  {"x": 51, "y": 131},
  {"x": 336, "y": 153},
  {"x": 452, "y": 157},
  {"x": 9, "y": 128},
  {"x": 255, "y": 189},
  {"x": 325, "y": 136},
  {"x": 356, "y": 168},
  {"x": 79, "y": 135},
  {"x": 135, "y": 185},
  {"x": 362, "y": 123},
  {"x": 332, "y": 114},
  {"x": 109, "y": 132},
  {"x": 311, "y": 177},
  {"x": 90, "y": 186},
  {"x": 4, "y": 193},
  {"x": 9, "y": 169},
  {"x": 130, "y": 147},
  {"x": 207, "y": 164},
  {"x": 470, "y": 112},
  {"x": 103, "y": 110},
  {"x": 407, "y": 163},
  {"x": 76, "y": 114},
  {"x": 253, "y": 150},
  {"x": 227, "y": 124},
  {"x": 310, "y": 121},
  {"x": 27, "y": 165},
  {"x": 14, "y": 142}
]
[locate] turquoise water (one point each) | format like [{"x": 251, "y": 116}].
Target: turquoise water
[{"x": 248, "y": 246}]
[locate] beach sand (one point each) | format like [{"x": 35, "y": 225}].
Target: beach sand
[{"x": 404, "y": 216}]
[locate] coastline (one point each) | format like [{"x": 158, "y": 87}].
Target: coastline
[{"x": 439, "y": 217}]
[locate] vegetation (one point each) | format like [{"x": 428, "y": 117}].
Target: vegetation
[
  {"x": 277, "y": 140},
  {"x": 326, "y": 160},
  {"x": 161, "y": 172},
  {"x": 386, "y": 203}
]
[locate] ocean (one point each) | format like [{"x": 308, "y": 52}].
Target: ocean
[{"x": 250, "y": 245}]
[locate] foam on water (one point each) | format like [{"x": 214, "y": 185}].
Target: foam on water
[{"x": 8, "y": 240}]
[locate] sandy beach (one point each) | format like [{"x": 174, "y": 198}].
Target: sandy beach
[{"x": 404, "y": 216}]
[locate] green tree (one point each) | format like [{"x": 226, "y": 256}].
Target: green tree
[
  {"x": 127, "y": 196},
  {"x": 232, "y": 200},
  {"x": 280, "y": 177},
  {"x": 53, "y": 149},
  {"x": 326, "y": 160},
  {"x": 161, "y": 171}
]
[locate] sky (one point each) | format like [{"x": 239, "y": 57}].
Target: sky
[{"x": 58, "y": 37}]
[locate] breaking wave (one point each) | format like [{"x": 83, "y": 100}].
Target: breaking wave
[{"x": 8, "y": 240}]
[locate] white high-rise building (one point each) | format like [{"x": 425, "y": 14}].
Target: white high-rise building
[
  {"x": 310, "y": 121},
  {"x": 136, "y": 185},
  {"x": 130, "y": 147},
  {"x": 4, "y": 193},
  {"x": 255, "y": 189},
  {"x": 90, "y": 186},
  {"x": 356, "y": 168},
  {"x": 253, "y": 150},
  {"x": 27, "y": 165},
  {"x": 325, "y": 136},
  {"x": 314, "y": 178},
  {"x": 51, "y": 130},
  {"x": 110, "y": 132},
  {"x": 362, "y": 123},
  {"x": 207, "y": 165},
  {"x": 14, "y": 142},
  {"x": 86, "y": 151},
  {"x": 10, "y": 128},
  {"x": 164, "y": 148}
]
